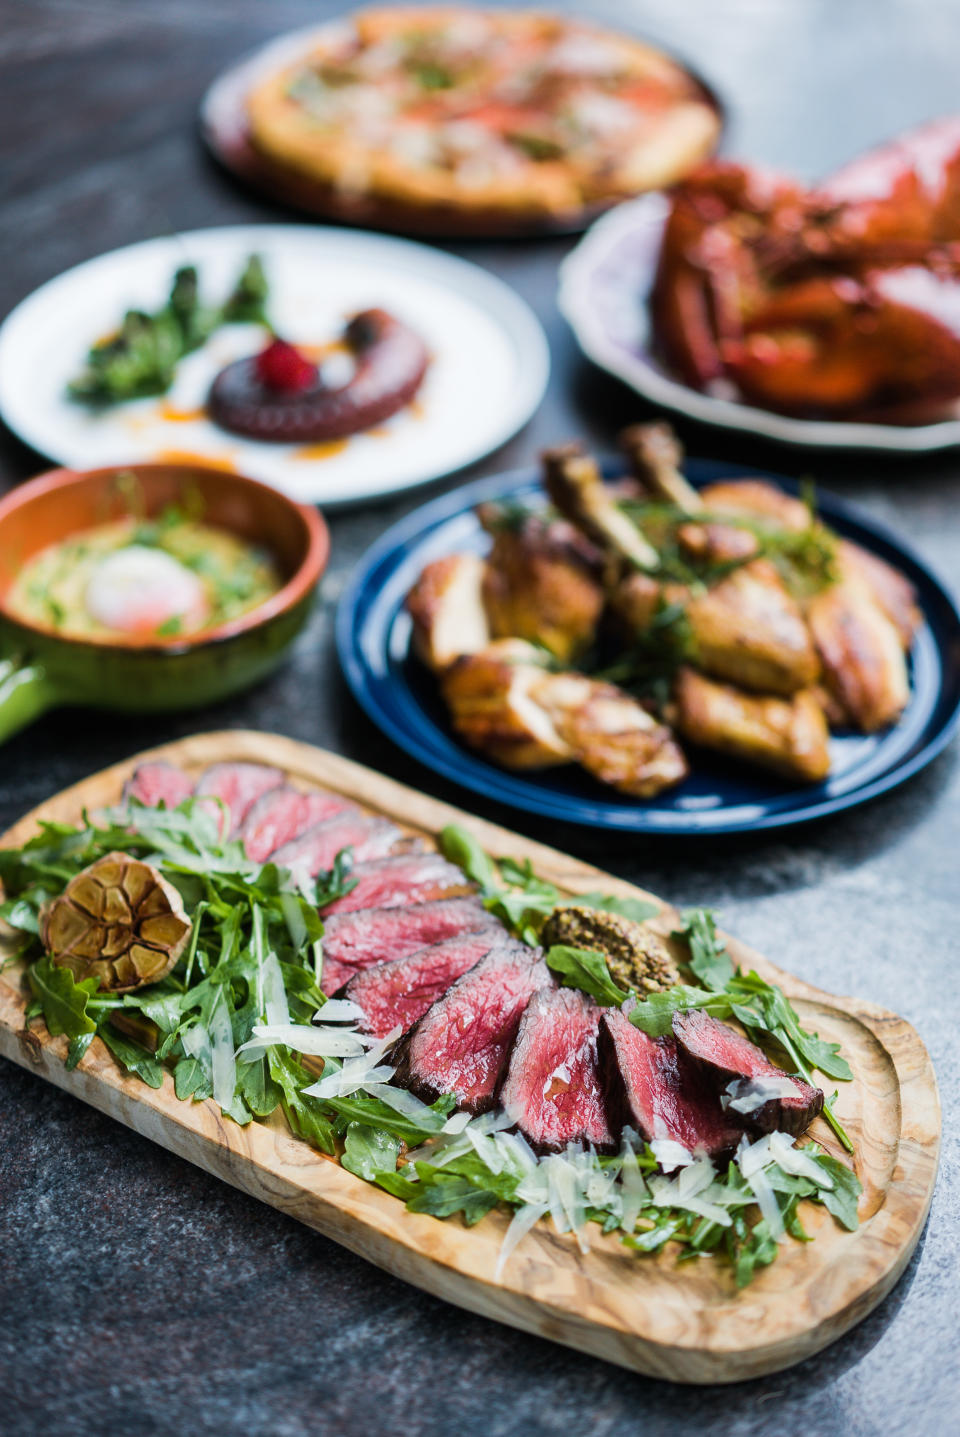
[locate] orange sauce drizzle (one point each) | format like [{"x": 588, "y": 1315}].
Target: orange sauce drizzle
[
  {"x": 184, "y": 456},
  {"x": 179, "y": 416},
  {"x": 325, "y": 450}
]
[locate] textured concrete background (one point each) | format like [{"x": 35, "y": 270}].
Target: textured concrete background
[{"x": 138, "y": 1295}]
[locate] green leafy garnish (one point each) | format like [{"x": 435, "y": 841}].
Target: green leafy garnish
[{"x": 141, "y": 358}]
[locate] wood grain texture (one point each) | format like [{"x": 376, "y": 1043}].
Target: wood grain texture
[{"x": 685, "y": 1323}]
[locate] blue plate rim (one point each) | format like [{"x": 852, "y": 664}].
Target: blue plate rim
[{"x": 496, "y": 784}]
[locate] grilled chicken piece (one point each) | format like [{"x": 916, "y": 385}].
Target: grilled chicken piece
[
  {"x": 576, "y": 487},
  {"x": 862, "y": 653},
  {"x": 541, "y": 582},
  {"x": 655, "y": 455},
  {"x": 746, "y": 629},
  {"x": 446, "y": 605},
  {"x": 757, "y": 501},
  {"x": 749, "y": 630},
  {"x": 890, "y": 590},
  {"x": 611, "y": 735},
  {"x": 713, "y": 543},
  {"x": 789, "y": 736},
  {"x": 505, "y": 703},
  {"x": 490, "y": 697}
]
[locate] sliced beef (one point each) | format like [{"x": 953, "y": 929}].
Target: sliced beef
[
  {"x": 762, "y": 1095},
  {"x": 156, "y": 783},
  {"x": 552, "y": 1088},
  {"x": 238, "y": 786},
  {"x": 401, "y": 991},
  {"x": 402, "y": 879},
  {"x": 354, "y": 940},
  {"x": 316, "y": 848},
  {"x": 461, "y": 1043},
  {"x": 649, "y": 1086},
  {"x": 282, "y": 814}
]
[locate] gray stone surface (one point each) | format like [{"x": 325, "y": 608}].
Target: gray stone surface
[{"x": 138, "y": 1295}]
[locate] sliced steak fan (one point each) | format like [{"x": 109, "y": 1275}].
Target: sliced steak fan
[
  {"x": 404, "y": 878},
  {"x": 282, "y": 814},
  {"x": 552, "y": 1088},
  {"x": 647, "y": 1086},
  {"x": 461, "y": 1043},
  {"x": 354, "y": 940},
  {"x": 401, "y": 991},
  {"x": 747, "y": 1084},
  {"x": 316, "y": 848},
  {"x": 238, "y": 786},
  {"x": 156, "y": 783}
]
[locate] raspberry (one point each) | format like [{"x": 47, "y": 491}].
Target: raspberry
[{"x": 281, "y": 366}]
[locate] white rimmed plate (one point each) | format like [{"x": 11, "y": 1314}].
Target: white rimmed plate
[
  {"x": 604, "y": 294},
  {"x": 488, "y": 372}
]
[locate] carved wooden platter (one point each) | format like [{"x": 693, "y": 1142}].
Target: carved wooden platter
[{"x": 687, "y": 1323}]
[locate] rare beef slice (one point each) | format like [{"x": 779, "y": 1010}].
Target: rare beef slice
[
  {"x": 461, "y": 1043},
  {"x": 647, "y": 1085},
  {"x": 316, "y": 849},
  {"x": 283, "y": 814},
  {"x": 404, "y": 878},
  {"x": 552, "y": 1088},
  {"x": 747, "y": 1084},
  {"x": 238, "y": 786},
  {"x": 401, "y": 991},
  {"x": 356, "y": 939}
]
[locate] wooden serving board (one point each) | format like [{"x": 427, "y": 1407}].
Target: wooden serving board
[{"x": 687, "y": 1323}]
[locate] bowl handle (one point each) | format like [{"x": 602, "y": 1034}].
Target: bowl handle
[{"x": 25, "y": 693}]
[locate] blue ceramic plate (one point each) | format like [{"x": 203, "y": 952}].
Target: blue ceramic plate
[{"x": 400, "y": 695}]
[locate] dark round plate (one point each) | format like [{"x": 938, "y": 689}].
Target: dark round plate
[{"x": 401, "y": 696}]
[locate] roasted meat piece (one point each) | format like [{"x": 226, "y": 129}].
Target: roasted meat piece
[
  {"x": 446, "y": 606},
  {"x": 503, "y": 702},
  {"x": 648, "y": 1085},
  {"x": 576, "y": 486},
  {"x": 400, "y": 879},
  {"x": 788, "y": 735},
  {"x": 749, "y": 630},
  {"x": 761, "y": 1094},
  {"x": 490, "y": 697},
  {"x": 861, "y": 651},
  {"x": 552, "y": 1088},
  {"x": 400, "y": 991},
  {"x": 760, "y": 503},
  {"x": 636, "y": 956},
  {"x": 655, "y": 454},
  {"x": 158, "y": 782},
  {"x": 541, "y": 582},
  {"x": 611, "y": 735},
  {"x": 461, "y": 1043},
  {"x": 238, "y": 786},
  {"x": 282, "y": 814},
  {"x": 315, "y": 849}
]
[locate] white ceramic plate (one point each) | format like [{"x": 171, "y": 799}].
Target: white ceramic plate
[
  {"x": 604, "y": 290},
  {"x": 488, "y": 372}
]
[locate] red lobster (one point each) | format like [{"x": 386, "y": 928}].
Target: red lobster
[{"x": 842, "y": 301}]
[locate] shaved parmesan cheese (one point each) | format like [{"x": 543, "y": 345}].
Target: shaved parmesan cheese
[
  {"x": 767, "y": 1203},
  {"x": 301, "y": 1038},
  {"x": 796, "y": 1161},
  {"x": 276, "y": 1008},
  {"x": 747, "y": 1095},
  {"x": 524, "y": 1219},
  {"x": 224, "y": 1064},
  {"x": 338, "y": 1010},
  {"x": 671, "y": 1154}
]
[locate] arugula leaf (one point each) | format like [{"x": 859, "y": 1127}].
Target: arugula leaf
[
  {"x": 461, "y": 848},
  {"x": 368, "y": 1151},
  {"x": 447, "y": 1193},
  {"x": 585, "y": 969},
  {"x": 841, "y": 1200},
  {"x": 134, "y": 1058},
  {"x": 190, "y": 1079},
  {"x": 636, "y": 909},
  {"x": 304, "y": 1114},
  {"x": 654, "y": 1014},
  {"x": 78, "y": 1046},
  {"x": 709, "y": 959},
  {"x": 63, "y": 1000},
  {"x": 257, "y": 1088}
]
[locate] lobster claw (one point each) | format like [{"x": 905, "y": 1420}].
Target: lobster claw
[
  {"x": 901, "y": 198},
  {"x": 845, "y": 345}
]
